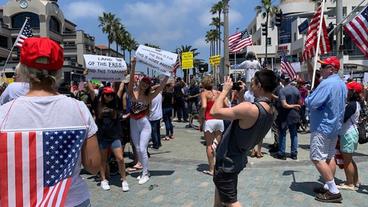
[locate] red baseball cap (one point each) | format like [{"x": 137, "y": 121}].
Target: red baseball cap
[
  {"x": 333, "y": 60},
  {"x": 357, "y": 87},
  {"x": 108, "y": 90},
  {"x": 42, "y": 53}
]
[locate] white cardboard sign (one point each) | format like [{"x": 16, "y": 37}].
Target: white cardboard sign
[
  {"x": 157, "y": 59},
  {"x": 105, "y": 68}
]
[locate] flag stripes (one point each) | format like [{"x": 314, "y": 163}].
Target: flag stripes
[
  {"x": 312, "y": 35},
  {"x": 357, "y": 29}
]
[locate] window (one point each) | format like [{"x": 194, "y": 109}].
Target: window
[
  {"x": 54, "y": 25},
  {"x": 294, "y": 36},
  {"x": 331, "y": 12},
  {"x": 18, "y": 20},
  {"x": 3, "y": 42},
  {"x": 344, "y": 11},
  {"x": 269, "y": 41}
]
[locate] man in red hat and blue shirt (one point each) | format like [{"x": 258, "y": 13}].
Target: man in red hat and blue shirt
[{"x": 326, "y": 105}]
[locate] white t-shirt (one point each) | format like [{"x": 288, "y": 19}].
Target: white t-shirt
[
  {"x": 250, "y": 67},
  {"x": 13, "y": 91},
  {"x": 249, "y": 96},
  {"x": 156, "y": 108},
  {"x": 52, "y": 112}
]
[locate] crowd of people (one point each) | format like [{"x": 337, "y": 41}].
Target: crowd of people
[{"x": 234, "y": 116}]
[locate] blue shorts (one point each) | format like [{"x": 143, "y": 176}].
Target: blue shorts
[
  {"x": 349, "y": 141},
  {"x": 104, "y": 144}
]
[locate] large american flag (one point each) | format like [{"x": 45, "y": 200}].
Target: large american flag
[
  {"x": 36, "y": 166},
  {"x": 24, "y": 33},
  {"x": 244, "y": 41},
  {"x": 234, "y": 39},
  {"x": 311, "y": 41},
  {"x": 287, "y": 68},
  {"x": 357, "y": 29}
]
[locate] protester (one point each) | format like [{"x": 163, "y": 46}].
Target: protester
[
  {"x": 179, "y": 101},
  {"x": 303, "y": 116},
  {"x": 16, "y": 89},
  {"x": 289, "y": 117},
  {"x": 250, "y": 120},
  {"x": 43, "y": 110},
  {"x": 140, "y": 127},
  {"x": 326, "y": 106},
  {"x": 193, "y": 98},
  {"x": 167, "y": 108},
  {"x": 349, "y": 136},
  {"x": 110, "y": 134},
  {"x": 155, "y": 117},
  {"x": 212, "y": 128},
  {"x": 250, "y": 65}
]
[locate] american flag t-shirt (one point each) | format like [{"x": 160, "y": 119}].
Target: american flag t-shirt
[
  {"x": 24, "y": 34},
  {"x": 36, "y": 167}
]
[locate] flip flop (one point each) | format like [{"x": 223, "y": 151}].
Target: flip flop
[
  {"x": 208, "y": 172},
  {"x": 133, "y": 169},
  {"x": 346, "y": 187}
]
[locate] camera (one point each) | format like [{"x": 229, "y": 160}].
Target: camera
[{"x": 236, "y": 86}]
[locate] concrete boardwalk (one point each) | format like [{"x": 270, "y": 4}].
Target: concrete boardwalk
[{"x": 177, "y": 178}]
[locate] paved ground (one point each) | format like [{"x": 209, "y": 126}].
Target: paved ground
[{"x": 177, "y": 178}]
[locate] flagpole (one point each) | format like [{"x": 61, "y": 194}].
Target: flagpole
[
  {"x": 318, "y": 41},
  {"x": 11, "y": 50}
]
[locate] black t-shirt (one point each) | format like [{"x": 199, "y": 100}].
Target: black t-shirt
[
  {"x": 167, "y": 99},
  {"x": 194, "y": 90},
  {"x": 291, "y": 95}
]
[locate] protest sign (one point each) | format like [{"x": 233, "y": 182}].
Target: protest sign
[
  {"x": 157, "y": 59},
  {"x": 186, "y": 60},
  {"x": 296, "y": 66},
  {"x": 104, "y": 68},
  {"x": 215, "y": 60}
]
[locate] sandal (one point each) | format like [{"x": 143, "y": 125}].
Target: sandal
[
  {"x": 343, "y": 186},
  {"x": 259, "y": 155},
  {"x": 207, "y": 172},
  {"x": 166, "y": 139},
  {"x": 133, "y": 169}
]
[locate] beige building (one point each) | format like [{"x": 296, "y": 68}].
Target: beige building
[{"x": 47, "y": 20}]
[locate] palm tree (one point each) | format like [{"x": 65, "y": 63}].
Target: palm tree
[
  {"x": 267, "y": 10},
  {"x": 188, "y": 48},
  {"x": 217, "y": 24},
  {"x": 107, "y": 22},
  {"x": 212, "y": 37},
  {"x": 132, "y": 44},
  {"x": 217, "y": 9}
]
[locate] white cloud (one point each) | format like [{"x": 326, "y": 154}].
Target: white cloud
[
  {"x": 81, "y": 9},
  {"x": 235, "y": 16}
]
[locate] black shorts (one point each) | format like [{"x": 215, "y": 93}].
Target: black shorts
[{"x": 227, "y": 186}]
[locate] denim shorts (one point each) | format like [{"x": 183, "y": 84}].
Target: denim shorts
[
  {"x": 104, "y": 144},
  {"x": 322, "y": 147}
]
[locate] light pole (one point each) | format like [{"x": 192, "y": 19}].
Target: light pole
[
  {"x": 226, "y": 38},
  {"x": 339, "y": 17}
]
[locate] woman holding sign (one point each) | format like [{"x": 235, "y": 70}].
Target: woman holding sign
[{"x": 140, "y": 126}]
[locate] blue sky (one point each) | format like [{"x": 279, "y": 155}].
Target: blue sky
[{"x": 167, "y": 23}]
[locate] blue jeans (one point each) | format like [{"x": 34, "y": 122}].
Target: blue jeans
[
  {"x": 293, "y": 136},
  {"x": 155, "y": 134},
  {"x": 167, "y": 113}
]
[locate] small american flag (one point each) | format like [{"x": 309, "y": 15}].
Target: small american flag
[
  {"x": 234, "y": 39},
  {"x": 24, "y": 33},
  {"x": 287, "y": 68},
  {"x": 311, "y": 41},
  {"x": 176, "y": 65},
  {"x": 357, "y": 29},
  {"x": 246, "y": 40},
  {"x": 36, "y": 167}
]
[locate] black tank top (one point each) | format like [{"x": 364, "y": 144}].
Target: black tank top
[{"x": 236, "y": 142}]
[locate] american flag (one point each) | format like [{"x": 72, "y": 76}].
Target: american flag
[
  {"x": 24, "y": 33},
  {"x": 357, "y": 29},
  {"x": 244, "y": 41},
  {"x": 234, "y": 39},
  {"x": 311, "y": 41},
  {"x": 36, "y": 167},
  {"x": 287, "y": 68},
  {"x": 176, "y": 65}
]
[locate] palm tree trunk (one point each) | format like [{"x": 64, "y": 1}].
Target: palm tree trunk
[{"x": 219, "y": 33}]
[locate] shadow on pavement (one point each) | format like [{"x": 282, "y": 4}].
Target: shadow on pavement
[
  {"x": 202, "y": 167},
  {"x": 363, "y": 189},
  {"x": 303, "y": 187},
  {"x": 154, "y": 173}
]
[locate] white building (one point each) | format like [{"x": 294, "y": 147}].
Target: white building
[{"x": 289, "y": 39}]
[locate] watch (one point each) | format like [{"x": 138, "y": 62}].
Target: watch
[{"x": 23, "y": 4}]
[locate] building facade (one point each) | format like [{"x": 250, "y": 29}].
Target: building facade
[
  {"x": 47, "y": 20},
  {"x": 289, "y": 38}
]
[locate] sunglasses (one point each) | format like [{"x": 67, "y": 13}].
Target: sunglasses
[{"x": 109, "y": 94}]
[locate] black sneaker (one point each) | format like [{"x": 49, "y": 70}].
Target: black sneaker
[
  {"x": 280, "y": 157},
  {"x": 294, "y": 157},
  {"x": 329, "y": 197}
]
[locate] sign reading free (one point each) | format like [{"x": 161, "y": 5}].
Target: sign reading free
[{"x": 105, "y": 68}]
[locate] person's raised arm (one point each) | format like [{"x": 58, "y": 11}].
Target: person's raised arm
[
  {"x": 121, "y": 90},
  {"x": 133, "y": 61},
  {"x": 160, "y": 88}
]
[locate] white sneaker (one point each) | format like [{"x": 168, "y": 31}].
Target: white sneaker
[
  {"x": 143, "y": 179},
  {"x": 139, "y": 177},
  {"x": 105, "y": 185},
  {"x": 125, "y": 186}
]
